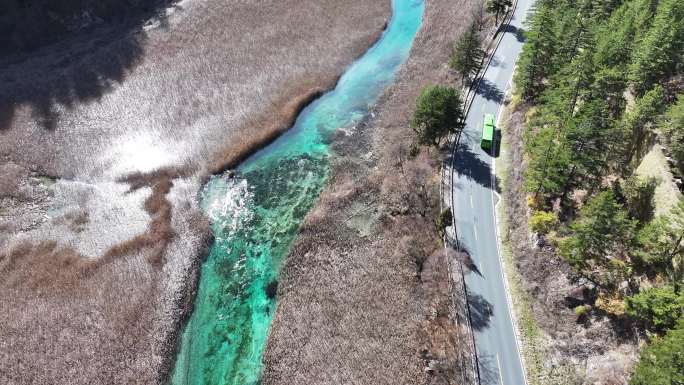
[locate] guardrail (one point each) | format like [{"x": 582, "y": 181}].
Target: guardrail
[{"x": 470, "y": 372}]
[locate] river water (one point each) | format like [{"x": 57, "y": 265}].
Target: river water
[{"x": 255, "y": 215}]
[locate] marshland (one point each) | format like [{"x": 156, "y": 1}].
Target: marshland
[{"x": 111, "y": 124}]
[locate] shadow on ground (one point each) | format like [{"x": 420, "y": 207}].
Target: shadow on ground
[
  {"x": 490, "y": 91},
  {"x": 59, "y": 67},
  {"x": 480, "y": 311},
  {"x": 468, "y": 262},
  {"x": 470, "y": 165},
  {"x": 489, "y": 370},
  {"x": 518, "y": 32},
  {"x": 495, "y": 62}
]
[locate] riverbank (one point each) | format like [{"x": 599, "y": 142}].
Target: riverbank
[
  {"x": 105, "y": 142},
  {"x": 353, "y": 298}
]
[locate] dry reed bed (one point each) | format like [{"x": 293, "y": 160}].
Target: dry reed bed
[
  {"x": 359, "y": 298},
  {"x": 105, "y": 141}
]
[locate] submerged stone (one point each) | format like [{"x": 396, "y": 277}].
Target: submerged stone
[{"x": 272, "y": 289}]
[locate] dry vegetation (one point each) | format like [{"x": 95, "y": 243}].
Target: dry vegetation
[
  {"x": 570, "y": 350},
  {"x": 361, "y": 297},
  {"x": 105, "y": 140}
]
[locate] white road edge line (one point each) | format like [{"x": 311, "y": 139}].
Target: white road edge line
[
  {"x": 499, "y": 246},
  {"x": 498, "y": 364}
]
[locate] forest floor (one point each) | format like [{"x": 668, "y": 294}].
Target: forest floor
[
  {"x": 106, "y": 139},
  {"x": 360, "y": 298},
  {"x": 558, "y": 346}
]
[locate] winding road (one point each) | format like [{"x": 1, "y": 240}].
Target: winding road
[{"x": 473, "y": 203}]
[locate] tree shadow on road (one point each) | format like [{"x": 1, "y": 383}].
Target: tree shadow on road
[
  {"x": 480, "y": 311},
  {"x": 470, "y": 165},
  {"x": 518, "y": 32},
  {"x": 490, "y": 91},
  {"x": 489, "y": 369},
  {"x": 495, "y": 62},
  {"x": 468, "y": 262}
]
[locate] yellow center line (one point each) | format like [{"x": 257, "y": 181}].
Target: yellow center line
[
  {"x": 471, "y": 202},
  {"x": 475, "y": 231},
  {"x": 498, "y": 364}
]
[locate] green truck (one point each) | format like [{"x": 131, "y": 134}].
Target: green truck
[{"x": 487, "y": 132}]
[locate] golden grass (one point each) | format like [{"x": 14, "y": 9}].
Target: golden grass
[
  {"x": 270, "y": 125},
  {"x": 655, "y": 165}
]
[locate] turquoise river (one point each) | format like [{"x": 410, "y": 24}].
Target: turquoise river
[{"x": 256, "y": 213}]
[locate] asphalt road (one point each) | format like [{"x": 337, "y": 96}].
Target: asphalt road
[{"x": 473, "y": 205}]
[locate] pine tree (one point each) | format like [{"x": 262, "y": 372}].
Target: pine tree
[
  {"x": 547, "y": 171},
  {"x": 467, "y": 54},
  {"x": 637, "y": 123},
  {"x": 588, "y": 134},
  {"x": 661, "y": 246},
  {"x": 602, "y": 240},
  {"x": 536, "y": 59},
  {"x": 662, "y": 361},
  {"x": 656, "y": 55},
  {"x": 671, "y": 128},
  {"x": 439, "y": 112},
  {"x": 615, "y": 39}
]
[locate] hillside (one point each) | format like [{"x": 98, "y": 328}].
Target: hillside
[{"x": 598, "y": 85}]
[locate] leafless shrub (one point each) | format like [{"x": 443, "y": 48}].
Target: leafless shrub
[{"x": 75, "y": 220}]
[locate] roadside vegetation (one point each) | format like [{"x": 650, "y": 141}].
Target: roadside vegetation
[
  {"x": 439, "y": 113},
  {"x": 603, "y": 83}
]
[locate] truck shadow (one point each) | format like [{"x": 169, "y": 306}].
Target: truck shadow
[{"x": 469, "y": 164}]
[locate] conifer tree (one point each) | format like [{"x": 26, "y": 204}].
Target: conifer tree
[
  {"x": 467, "y": 54},
  {"x": 671, "y": 128},
  {"x": 661, "y": 49},
  {"x": 662, "y": 362},
  {"x": 535, "y": 62},
  {"x": 602, "y": 240},
  {"x": 638, "y": 121}
]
